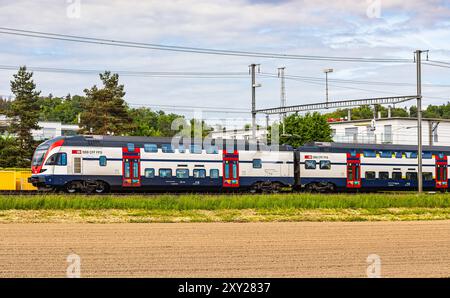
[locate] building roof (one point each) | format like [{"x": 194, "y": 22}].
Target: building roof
[{"x": 389, "y": 119}]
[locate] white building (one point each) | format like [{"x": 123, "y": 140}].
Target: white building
[
  {"x": 48, "y": 129},
  {"x": 240, "y": 134},
  {"x": 394, "y": 130}
]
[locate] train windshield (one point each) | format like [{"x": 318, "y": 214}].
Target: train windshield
[
  {"x": 38, "y": 157},
  {"x": 39, "y": 154}
]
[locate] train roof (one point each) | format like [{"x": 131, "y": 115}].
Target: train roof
[
  {"x": 347, "y": 147},
  {"x": 122, "y": 141}
]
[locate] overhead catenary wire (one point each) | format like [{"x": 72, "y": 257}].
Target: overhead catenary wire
[{"x": 197, "y": 50}]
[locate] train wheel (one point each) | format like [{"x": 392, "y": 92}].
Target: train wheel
[
  {"x": 71, "y": 187},
  {"x": 101, "y": 187}
]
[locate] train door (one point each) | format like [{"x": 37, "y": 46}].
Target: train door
[
  {"x": 230, "y": 177},
  {"x": 353, "y": 170},
  {"x": 131, "y": 166},
  {"x": 441, "y": 171}
]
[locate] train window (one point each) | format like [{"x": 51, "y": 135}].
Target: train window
[
  {"x": 214, "y": 173},
  {"x": 167, "y": 148},
  {"x": 183, "y": 173},
  {"x": 199, "y": 173},
  {"x": 310, "y": 164},
  {"x": 411, "y": 154},
  {"x": 234, "y": 171},
  {"x": 102, "y": 161},
  {"x": 257, "y": 163},
  {"x": 149, "y": 173},
  {"x": 427, "y": 176},
  {"x": 411, "y": 175},
  {"x": 399, "y": 154},
  {"x": 57, "y": 159},
  {"x": 370, "y": 175},
  {"x": 127, "y": 168},
  {"x": 181, "y": 148},
  {"x": 325, "y": 165},
  {"x": 369, "y": 153},
  {"x": 196, "y": 149},
  {"x": 383, "y": 175},
  {"x": 397, "y": 175},
  {"x": 350, "y": 173},
  {"x": 441, "y": 155},
  {"x": 130, "y": 147},
  {"x": 227, "y": 170},
  {"x": 212, "y": 150},
  {"x": 165, "y": 173},
  {"x": 353, "y": 153},
  {"x": 427, "y": 155},
  {"x": 150, "y": 148},
  {"x": 386, "y": 154},
  {"x": 135, "y": 169}
]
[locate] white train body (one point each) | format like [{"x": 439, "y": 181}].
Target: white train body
[{"x": 136, "y": 163}]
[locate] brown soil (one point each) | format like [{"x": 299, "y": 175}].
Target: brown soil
[{"x": 292, "y": 249}]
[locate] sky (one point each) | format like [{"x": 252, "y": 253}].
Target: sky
[{"x": 350, "y": 28}]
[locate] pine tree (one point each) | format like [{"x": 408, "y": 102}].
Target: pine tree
[
  {"x": 24, "y": 113},
  {"x": 104, "y": 110}
]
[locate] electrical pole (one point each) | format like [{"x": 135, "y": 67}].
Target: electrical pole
[
  {"x": 419, "y": 119},
  {"x": 282, "y": 94},
  {"x": 327, "y": 71},
  {"x": 254, "y": 85}
]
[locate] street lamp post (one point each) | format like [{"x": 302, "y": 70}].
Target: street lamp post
[{"x": 327, "y": 71}]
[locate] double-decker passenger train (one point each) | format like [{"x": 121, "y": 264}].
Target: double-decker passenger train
[{"x": 111, "y": 163}]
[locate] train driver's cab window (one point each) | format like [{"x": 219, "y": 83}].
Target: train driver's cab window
[
  {"x": 102, "y": 161},
  {"x": 153, "y": 148},
  {"x": 370, "y": 175},
  {"x": 411, "y": 175},
  {"x": 386, "y": 154},
  {"x": 310, "y": 164},
  {"x": 167, "y": 148},
  {"x": 149, "y": 173},
  {"x": 427, "y": 176},
  {"x": 165, "y": 173},
  {"x": 325, "y": 165},
  {"x": 199, "y": 173},
  {"x": 369, "y": 153},
  {"x": 214, "y": 173},
  {"x": 257, "y": 164},
  {"x": 411, "y": 154},
  {"x": 397, "y": 175},
  {"x": 383, "y": 175},
  {"x": 183, "y": 173},
  {"x": 57, "y": 159}
]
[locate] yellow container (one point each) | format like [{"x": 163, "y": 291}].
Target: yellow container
[
  {"x": 22, "y": 181},
  {"x": 7, "y": 180}
]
